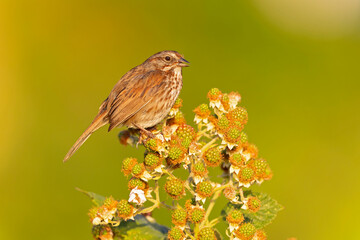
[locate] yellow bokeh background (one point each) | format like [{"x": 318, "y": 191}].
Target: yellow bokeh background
[{"x": 295, "y": 65}]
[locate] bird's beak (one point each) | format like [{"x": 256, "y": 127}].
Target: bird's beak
[{"x": 183, "y": 63}]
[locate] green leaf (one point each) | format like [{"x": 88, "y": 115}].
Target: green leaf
[
  {"x": 97, "y": 199},
  {"x": 267, "y": 212},
  {"x": 143, "y": 228}
]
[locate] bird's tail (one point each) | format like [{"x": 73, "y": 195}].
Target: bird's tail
[{"x": 98, "y": 122}]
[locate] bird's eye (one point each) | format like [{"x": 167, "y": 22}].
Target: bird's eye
[{"x": 168, "y": 58}]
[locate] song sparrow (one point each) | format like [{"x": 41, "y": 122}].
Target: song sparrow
[{"x": 141, "y": 98}]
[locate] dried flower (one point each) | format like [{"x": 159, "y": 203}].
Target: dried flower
[{"x": 137, "y": 196}]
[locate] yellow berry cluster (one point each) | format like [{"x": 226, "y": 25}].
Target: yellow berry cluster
[{"x": 217, "y": 141}]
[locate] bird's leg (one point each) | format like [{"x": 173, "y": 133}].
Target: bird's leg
[{"x": 143, "y": 130}]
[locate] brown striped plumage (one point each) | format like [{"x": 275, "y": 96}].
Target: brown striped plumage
[{"x": 141, "y": 98}]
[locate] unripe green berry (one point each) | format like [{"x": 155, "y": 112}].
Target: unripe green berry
[
  {"x": 235, "y": 217},
  {"x": 196, "y": 215},
  {"x": 128, "y": 164},
  {"x": 239, "y": 114},
  {"x": 179, "y": 217},
  {"x": 259, "y": 165},
  {"x": 245, "y": 231},
  {"x": 253, "y": 204},
  {"x": 233, "y": 135},
  {"x": 204, "y": 189},
  {"x": 178, "y": 119},
  {"x": 175, "y": 152},
  {"x": 152, "y": 160},
  {"x": 175, "y": 188},
  {"x": 246, "y": 175},
  {"x": 243, "y": 137},
  {"x": 186, "y": 142},
  {"x": 206, "y": 234},
  {"x": 213, "y": 157},
  {"x": 185, "y": 132},
  {"x": 202, "y": 111},
  {"x": 199, "y": 167},
  {"x": 237, "y": 159},
  {"x": 176, "y": 234},
  {"x": 214, "y": 94},
  {"x": 151, "y": 144},
  {"x": 178, "y": 103},
  {"x": 138, "y": 169},
  {"x": 204, "y": 107},
  {"x": 136, "y": 182},
  {"x": 222, "y": 124},
  {"x": 125, "y": 209}
]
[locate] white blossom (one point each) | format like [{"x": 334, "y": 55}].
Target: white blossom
[{"x": 137, "y": 196}]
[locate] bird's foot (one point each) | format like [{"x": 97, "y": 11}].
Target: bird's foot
[
  {"x": 147, "y": 133},
  {"x": 144, "y": 132}
]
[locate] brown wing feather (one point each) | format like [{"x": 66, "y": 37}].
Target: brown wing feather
[{"x": 129, "y": 97}]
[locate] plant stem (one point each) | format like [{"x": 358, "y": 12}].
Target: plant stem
[
  {"x": 188, "y": 234},
  {"x": 167, "y": 206},
  {"x": 208, "y": 144},
  {"x": 196, "y": 229},
  {"x": 242, "y": 198},
  {"x": 215, "y": 221},
  {"x": 210, "y": 207},
  {"x": 188, "y": 187},
  {"x": 155, "y": 201},
  {"x": 157, "y": 194},
  {"x": 166, "y": 171}
]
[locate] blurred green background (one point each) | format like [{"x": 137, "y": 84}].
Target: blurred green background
[{"x": 295, "y": 63}]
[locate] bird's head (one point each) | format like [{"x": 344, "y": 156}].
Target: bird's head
[{"x": 167, "y": 60}]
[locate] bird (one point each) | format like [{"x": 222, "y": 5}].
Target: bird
[{"x": 142, "y": 97}]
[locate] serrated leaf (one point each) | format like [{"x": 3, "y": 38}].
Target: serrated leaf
[
  {"x": 143, "y": 228},
  {"x": 267, "y": 212},
  {"x": 97, "y": 199}
]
